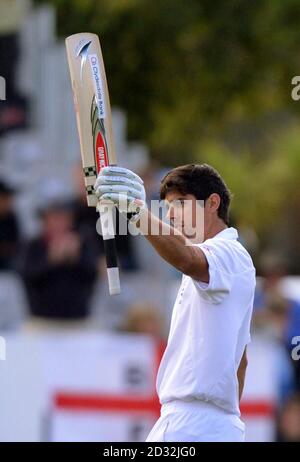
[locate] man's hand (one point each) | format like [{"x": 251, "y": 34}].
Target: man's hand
[{"x": 122, "y": 187}]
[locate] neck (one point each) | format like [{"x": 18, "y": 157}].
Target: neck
[{"x": 214, "y": 228}]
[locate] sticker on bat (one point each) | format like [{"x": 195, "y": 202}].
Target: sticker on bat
[
  {"x": 100, "y": 152},
  {"x": 99, "y": 140},
  {"x": 98, "y": 84}
]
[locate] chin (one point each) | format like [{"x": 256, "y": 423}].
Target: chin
[
  {"x": 179, "y": 229},
  {"x": 194, "y": 238}
]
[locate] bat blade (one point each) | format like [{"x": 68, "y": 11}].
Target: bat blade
[
  {"x": 92, "y": 105},
  {"x": 94, "y": 123}
]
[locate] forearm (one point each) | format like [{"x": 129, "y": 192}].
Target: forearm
[{"x": 169, "y": 243}]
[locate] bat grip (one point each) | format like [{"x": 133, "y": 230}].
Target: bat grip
[{"x": 108, "y": 234}]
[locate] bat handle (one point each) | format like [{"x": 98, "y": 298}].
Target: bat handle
[{"x": 109, "y": 241}]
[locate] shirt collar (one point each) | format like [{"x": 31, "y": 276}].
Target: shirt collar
[{"x": 227, "y": 233}]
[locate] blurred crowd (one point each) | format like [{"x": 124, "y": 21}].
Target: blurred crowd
[
  {"x": 62, "y": 263},
  {"x": 277, "y": 317},
  {"x": 58, "y": 275}
]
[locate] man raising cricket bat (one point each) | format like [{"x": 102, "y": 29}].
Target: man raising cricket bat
[{"x": 201, "y": 375}]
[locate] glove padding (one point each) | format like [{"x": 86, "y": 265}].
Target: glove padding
[{"x": 124, "y": 188}]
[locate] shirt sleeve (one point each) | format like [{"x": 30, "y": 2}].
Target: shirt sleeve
[{"x": 220, "y": 279}]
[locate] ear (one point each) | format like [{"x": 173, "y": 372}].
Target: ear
[{"x": 213, "y": 202}]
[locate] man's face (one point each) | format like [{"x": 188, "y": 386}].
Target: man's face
[
  {"x": 57, "y": 221},
  {"x": 186, "y": 214}
]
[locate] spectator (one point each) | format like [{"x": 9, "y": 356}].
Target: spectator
[
  {"x": 144, "y": 318},
  {"x": 289, "y": 421},
  {"x": 273, "y": 269},
  {"x": 59, "y": 267},
  {"x": 269, "y": 382},
  {"x": 277, "y": 316},
  {"x": 9, "y": 229},
  {"x": 274, "y": 321}
]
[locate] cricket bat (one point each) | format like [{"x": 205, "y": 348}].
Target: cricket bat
[{"x": 94, "y": 123}]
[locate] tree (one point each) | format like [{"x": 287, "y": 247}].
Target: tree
[{"x": 185, "y": 71}]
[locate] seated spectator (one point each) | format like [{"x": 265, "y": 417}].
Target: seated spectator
[
  {"x": 9, "y": 229},
  {"x": 144, "y": 318},
  {"x": 59, "y": 266}
]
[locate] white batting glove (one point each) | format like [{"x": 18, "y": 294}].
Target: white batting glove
[{"x": 122, "y": 187}]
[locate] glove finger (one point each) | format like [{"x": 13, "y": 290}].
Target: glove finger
[
  {"x": 116, "y": 198},
  {"x": 117, "y": 180},
  {"x": 113, "y": 170},
  {"x": 118, "y": 189}
]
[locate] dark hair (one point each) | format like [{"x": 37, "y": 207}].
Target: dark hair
[{"x": 200, "y": 180}]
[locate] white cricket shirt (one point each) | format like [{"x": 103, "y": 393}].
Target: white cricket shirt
[{"x": 210, "y": 328}]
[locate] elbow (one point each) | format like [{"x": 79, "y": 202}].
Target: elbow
[
  {"x": 183, "y": 268},
  {"x": 195, "y": 266},
  {"x": 182, "y": 261}
]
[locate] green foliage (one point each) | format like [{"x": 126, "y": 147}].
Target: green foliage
[
  {"x": 184, "y": 69},
  {"x": 263, "y": 189}
]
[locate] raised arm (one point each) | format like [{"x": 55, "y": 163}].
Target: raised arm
[{"x": 174, "y": 247}]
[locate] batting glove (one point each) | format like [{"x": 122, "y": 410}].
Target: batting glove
[{"x": 122, "y": 187}]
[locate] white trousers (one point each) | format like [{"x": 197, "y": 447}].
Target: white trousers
[{"x": 196, "y": 421}]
